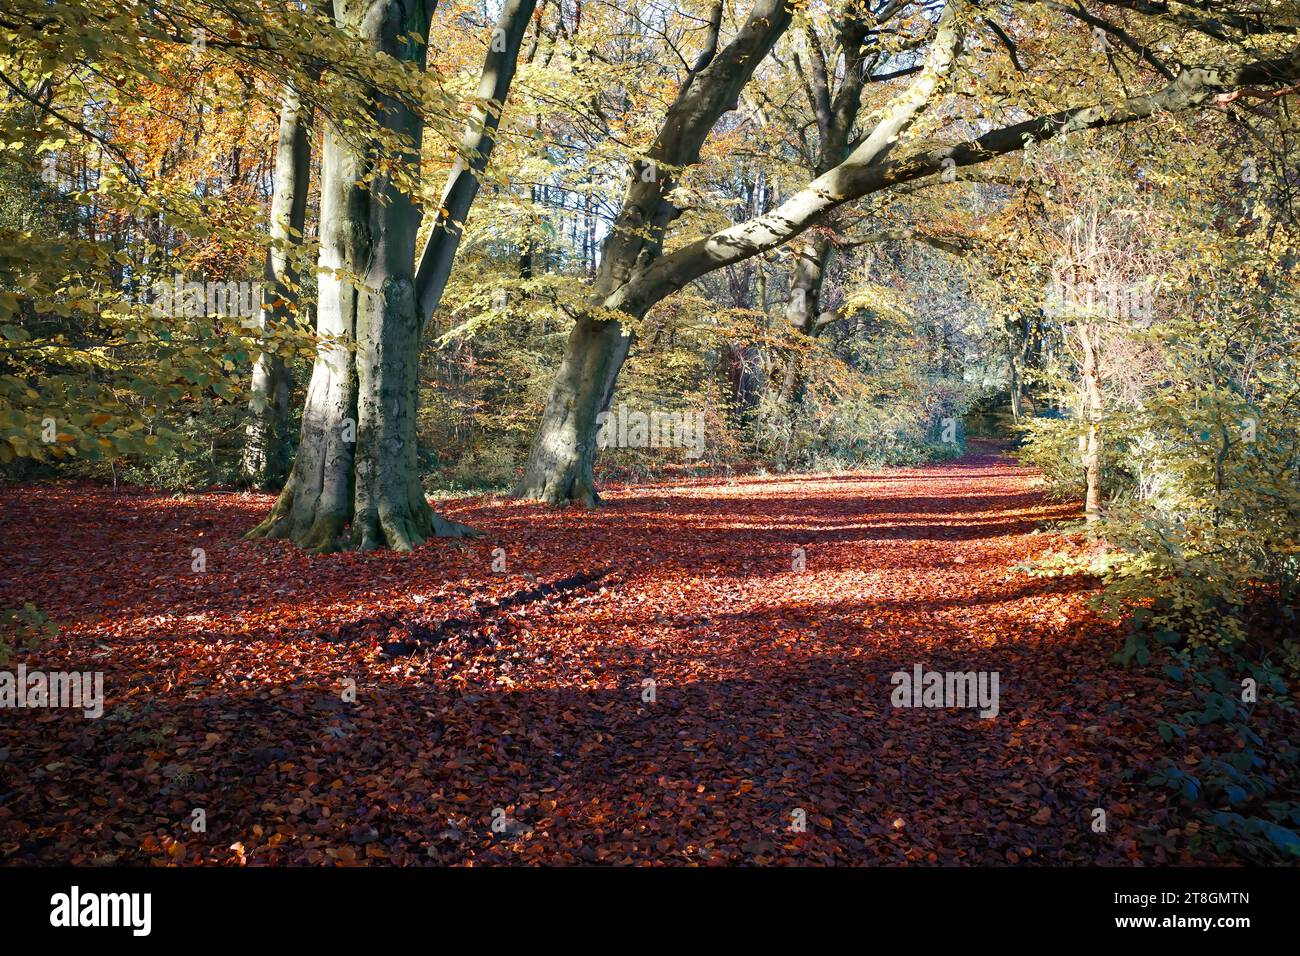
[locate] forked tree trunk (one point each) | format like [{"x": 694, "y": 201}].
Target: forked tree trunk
[
  {"x": 634, "y": 274},
  {"x": 560, "y": 460},
  {"x": 355, "y": 481},
  {"x": 266, "y": 447}
]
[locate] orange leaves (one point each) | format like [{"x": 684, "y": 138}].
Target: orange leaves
[{"x": 525, "y": 734}]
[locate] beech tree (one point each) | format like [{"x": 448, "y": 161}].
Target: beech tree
[
  {"x": 355, "y": 479},
  {"x": 265, "y": 459},
  {"x": 559, "y": 464},
  {"x": 1250, "y": 56}
]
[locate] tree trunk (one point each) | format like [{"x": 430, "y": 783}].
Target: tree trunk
[
  {"x": 266, "y": 448},
  {"x": 1015, "y": 389},
  {"x": 802, "y": 313},
  {"x": 559, "y": 466},
  {"x": 355, "y": 481},
  {"x": 1092, "y": 408},
  {"x": 563, "y": 452}
]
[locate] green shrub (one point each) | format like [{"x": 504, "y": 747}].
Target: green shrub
[{"x": 1244, "y": 778}]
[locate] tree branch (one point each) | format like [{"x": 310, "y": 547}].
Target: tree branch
[
  {"x": 434, "y": 265},
  {"x": 864, "y": 172}
]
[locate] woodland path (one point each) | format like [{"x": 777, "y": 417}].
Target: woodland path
[{"x": 772, "y": 686}]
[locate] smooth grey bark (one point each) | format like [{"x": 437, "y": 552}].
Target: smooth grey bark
[
  {"x": 355, "y": 481},
  {"x": 266, "y": 454},
  {"x": 561, "y": 457},
  {"x": 315, "y": 506},
  {"x": 439, "y": 252}
]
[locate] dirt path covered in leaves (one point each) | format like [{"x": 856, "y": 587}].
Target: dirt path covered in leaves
[{"x": 483, "y": 695}]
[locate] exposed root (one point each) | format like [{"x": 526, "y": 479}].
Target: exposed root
[
  {"x": 274, "y": 525},
  {"x": 564, "y": 489},
  {"x": 445, "y": 528},
  {"x": 401, "y": 526},
  {"x": 584, "y": 493},
  {"x": 325, "y": 536}
]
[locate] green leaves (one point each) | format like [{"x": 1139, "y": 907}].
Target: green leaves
[
  {"x": 1238, "y": 743},
  {"x": 27, "y": 627}
]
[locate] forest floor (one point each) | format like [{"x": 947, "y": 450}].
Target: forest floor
[{"x": 479, "y": 699}]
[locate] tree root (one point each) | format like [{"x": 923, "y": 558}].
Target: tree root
[
  {"x": 561, "y": 491},
  {"x": 401, "y": 527}
]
